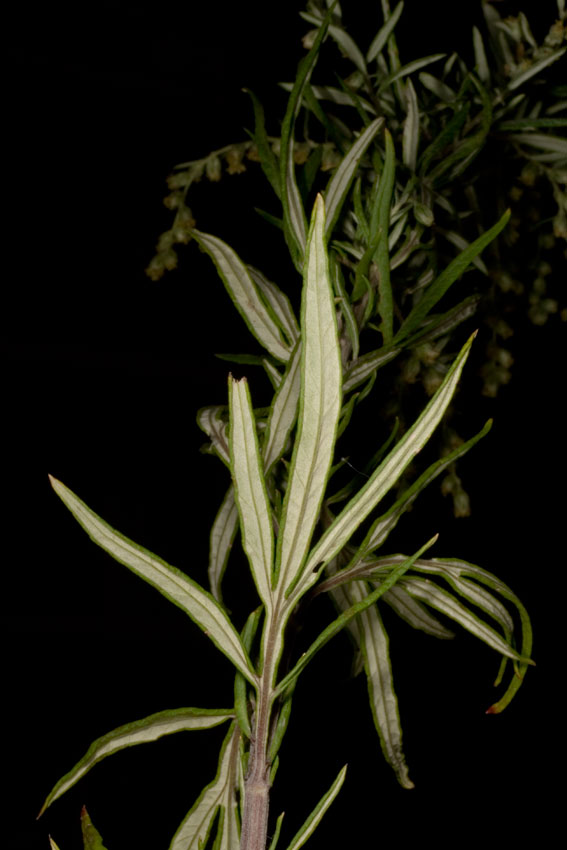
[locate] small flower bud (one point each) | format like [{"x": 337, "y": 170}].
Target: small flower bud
[
  {"x": 155, "y": 269},
  {"x": 213, "y": 169},
  {"x": 234, "y": 160}
]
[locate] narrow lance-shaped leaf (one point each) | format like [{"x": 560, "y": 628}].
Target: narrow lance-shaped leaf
[
  {"x": 341, "y": 180},
  {"x": 383, "y": 699},
  {"x": 411, "y": 128},
  {"x": 343, "y": 619},
  {"x": 447, "y": 604},
  {"x": 244, "y": 294},
  {"x": 279, "y": 303},
  {"x": 139, "y": 732},
  {"x": 171, "y": 582},
  {"x": 283, "y": 412},
  {"x": 223, "y": 532},
  {"x": 383, "y": 34},
  {"x": 384, "y": 477},
  {"x": 316, "y": 815},
  {"x": 381, "y": 223},
  {"x": 220, "y": 793},
  {"x": 382, "y": 527},
  {"x": 319, "y": 410},
  {"x": 447, "y": 277},
  {"x": 293, "y": 216},
  {"x": 268, "y": 159},
  {"x": 250, "y": 489}
]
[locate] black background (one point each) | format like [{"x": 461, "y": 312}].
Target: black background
[{"x": 105, "y": 371}]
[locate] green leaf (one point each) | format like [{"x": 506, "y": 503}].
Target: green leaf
[
  {"x": 210, "y": 420},
  {"x": 92, "y": 839},
  {"x": 362, "y": 368},
  {"x": 536, "y": 68},
  {"x": 411, "y": 129},
  {"x": 410, "y": 68},
  {"x": 343, "y": 619},
  {"x": 139, "y": 732},
  {"x": 294, "y": 224},
  {"x": 268, "y": 159},
  {"x": 275, "y": 839},
  {"x": 383, "y": 34},
  {"x": 201, "y": 607},
  {"x": 319, "y": 407},
  {"x": 222, "y": 536},
  {"x": 383, "y": 699},
  {"x": 481, "y": 63},
  {"x": 250, "y": 489},
  {"x": 240, "y": 683},
  {"x": 279, "y": 304},
  {"x": 448, "y": 276},
  {"x": 381, "y": 223},
  {"x": 244, "y": 294},
  {"x": 316, "y": 815},
  {"x": 283, "y": 412},
  {"x": 341, "y": 180},
  {"x": 382, "y": 526},
  {"x": 415, "y": 614},
  {"x": 219, "y": 794},
  {"x": 446, "y": 603},
  {"x": 384, "y": 477}
]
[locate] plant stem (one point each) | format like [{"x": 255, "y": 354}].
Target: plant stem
[{"x": 257, "y": 781}]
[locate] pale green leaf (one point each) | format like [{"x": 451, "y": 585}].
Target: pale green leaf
[
  {"x": 541, "y": 141},
  {"x": 461, "y": 243},
  {"x": 222, "y": 536},
  {"x": 283, "y": 412},
  {"x": 411, "y": 129},
  {"x": 341, "y": 180},
  {"x": 534, "y": 69},
  {"x": 415, "y": 614},
  {"x": 52, "y": 844},
  {"x": 446, "y": 603},
  {"x": 385, "y": 476},
  {"x": 250, "y": 489},
  {"x": 438, "y": 87},
  {"x": 279, "y": 303},
  {"x": 139, "y": 732},
  {"x": 480, "y": 60},
  {"x": 373, "y": 643},
  {"x": 316, "y": 815},
  {"x": 410, "y": 68},
  {"x": 244, "y": 293},
  {"x": 319, "y": 408},
  {"x": 220, "y": 793},
  {"x": 210, "y": 420},
  {"x": 171, "y": 582},
  {"x": 383, "y": 34}
]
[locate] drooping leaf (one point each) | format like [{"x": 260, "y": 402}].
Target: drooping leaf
[
  {"x": 250, "y": 489},
  {"x": 319, "y": 406},
  {"x": 201, "y": 607},
  {"x": 219, "y": 794},
  {"x": 139, "y": 732},
  {"x": 415, "y": 614},
  {"x": 446, "y": 603},
  {"x": 316, "y": 815}
]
